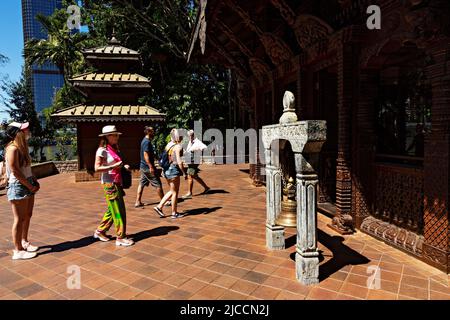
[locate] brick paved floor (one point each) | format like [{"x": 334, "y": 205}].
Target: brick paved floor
[{"x": 216, "y": 252}]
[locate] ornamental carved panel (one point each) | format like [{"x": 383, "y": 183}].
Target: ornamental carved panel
[
  {"x": 399, "y": 196},
  {"x": 310, "y": 30}
]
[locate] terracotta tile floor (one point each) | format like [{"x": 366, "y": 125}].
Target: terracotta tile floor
[{"x": 216, "y": 252}]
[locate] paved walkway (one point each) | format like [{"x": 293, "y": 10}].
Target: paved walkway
[{"x": 216, "y": 252}]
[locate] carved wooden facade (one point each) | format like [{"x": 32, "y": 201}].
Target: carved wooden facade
[{"x": 315, "y": 47}]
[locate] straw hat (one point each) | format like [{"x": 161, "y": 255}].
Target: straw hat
[{"x": 107, "y": 130}]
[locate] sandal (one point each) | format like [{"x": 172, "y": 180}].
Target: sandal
[
  {"x": 206, "y": 190},
  {"x": 140, "y": 205},
  {"x": 159, "y": 212},
  {"x": 187, "y": 196},
  {"x": 177, "y": 215}
]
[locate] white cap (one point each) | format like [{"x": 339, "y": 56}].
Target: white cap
[{"x": 21, "y": 126}]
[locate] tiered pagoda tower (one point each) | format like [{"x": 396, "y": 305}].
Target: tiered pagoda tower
[{"x": 111, "y": 93}]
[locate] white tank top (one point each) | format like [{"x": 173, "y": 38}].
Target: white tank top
[{"x": 26, "y": 171}]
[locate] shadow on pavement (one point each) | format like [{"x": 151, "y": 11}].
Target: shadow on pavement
[
  {"x": 197, "y": 211},
  {"x": 86, "y": 241},
  {"x": 156, "y": 232},
  {"x": 342, "y": 255},
  {"x": 212, "y": 191}
]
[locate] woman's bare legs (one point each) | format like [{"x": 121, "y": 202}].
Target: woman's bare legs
[
  {"x": 167, "y": 196},
  {"x": 29, "y": 214},
  {"x": 19, "y": 209},
  {"x": 174, "y": 188}
]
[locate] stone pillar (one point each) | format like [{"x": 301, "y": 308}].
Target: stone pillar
[
  {"x": 436, "y": 247},
  {"x": 364, "y": 144},
  {"x": 307, "y": 255},
  {"x": 343, "y": 222},
  {"x": 274, "y": 234}
]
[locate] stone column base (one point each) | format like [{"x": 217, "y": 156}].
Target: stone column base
[
  {"x": 307, "y": 267},
  {"x": 275, "y": 237}
]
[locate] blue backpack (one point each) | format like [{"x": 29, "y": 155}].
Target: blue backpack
[{"x": 164, "y": 161}]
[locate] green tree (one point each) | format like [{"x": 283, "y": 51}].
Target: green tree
[
  {"x": 161, "y": 31},
  {"x": 20, "y": 107},
  {"x": 62, "y": 47}
]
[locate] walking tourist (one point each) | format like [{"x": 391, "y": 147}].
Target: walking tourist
[
  {"x": 149, "y": 174},
  {"x": 194, "y": 147},
  {"x": 172, "y": 169},
  {"x": 21, "y": 188},
  {"x": 109, "y": 162}
]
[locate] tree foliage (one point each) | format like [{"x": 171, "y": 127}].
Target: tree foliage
[
  {"x": 20, "y": 107},
  {"x": 160, "y": 30}
]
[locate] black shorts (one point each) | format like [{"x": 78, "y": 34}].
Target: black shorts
[{"x": 148, "y": 178}]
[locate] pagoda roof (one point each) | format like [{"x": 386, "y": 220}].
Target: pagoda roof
[
  {"x": 110, "y": 77},
  {"x": 113, "y": 48},
  {"x": 103, "y": 113}
]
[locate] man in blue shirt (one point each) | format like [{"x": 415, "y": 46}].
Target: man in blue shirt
[{"x": 148, "y": 170}]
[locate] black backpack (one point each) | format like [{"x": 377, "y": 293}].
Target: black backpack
[{"x": 164, "y": 161}]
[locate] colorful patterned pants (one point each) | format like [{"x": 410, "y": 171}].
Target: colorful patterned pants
[{"x": 116, "y": 212}]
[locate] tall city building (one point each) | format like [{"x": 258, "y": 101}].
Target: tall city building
[{"x": 45, "y": 79}]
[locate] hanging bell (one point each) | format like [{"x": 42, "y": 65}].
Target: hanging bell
[{"x": 288, "y": 215}]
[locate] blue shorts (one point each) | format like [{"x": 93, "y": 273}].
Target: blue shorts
[
  {"x": 17, "y": 191},
  {"x": 172, "y": 172}
]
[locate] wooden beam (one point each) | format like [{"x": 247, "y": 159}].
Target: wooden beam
[{"x": 275, "y": 47}]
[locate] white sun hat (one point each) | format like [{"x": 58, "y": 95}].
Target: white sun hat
[{"x": 107, "y": 130}]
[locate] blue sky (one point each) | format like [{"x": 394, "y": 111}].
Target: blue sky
[{"x": 11, "y": 44}]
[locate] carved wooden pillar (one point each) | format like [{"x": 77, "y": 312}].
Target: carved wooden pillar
[
  {"x": 346, "y": 60},
  {"x": 436, "y": 247},
  {"x": 363, "y": 152}
]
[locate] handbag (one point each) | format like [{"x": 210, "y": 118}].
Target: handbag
[{"x": 126, "y": 178}]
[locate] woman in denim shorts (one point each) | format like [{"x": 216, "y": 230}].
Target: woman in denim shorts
[
  {"x": 173, "y": 173},
  {"x": 21, "y": 188}
]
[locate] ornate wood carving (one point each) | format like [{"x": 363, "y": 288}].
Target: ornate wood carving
[
  {"x": 399, "y": 196},
  {"x": 276, "y": 48},
  {"x": 363, "y": 147},
  {"x": 437, "y": 161},
  {"x": 285, "y": 11},
  {"x": 393, "y": 235},
  {"x": 308, "y": 29},
  {"x": 231, "y": 35},
  {"x": 411, "y": 23},
  {"x": 345, "y": 95},
  {"x": 259, "y": 67},
  {"x": 240, "y": 69}
]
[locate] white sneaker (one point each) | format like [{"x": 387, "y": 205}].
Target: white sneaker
[
  {"x": 100, "y": 236},
  {"x": 29, "y": 247},
  {"x": 23, "y": 255},
  {"x": 124, "y": 242}
]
